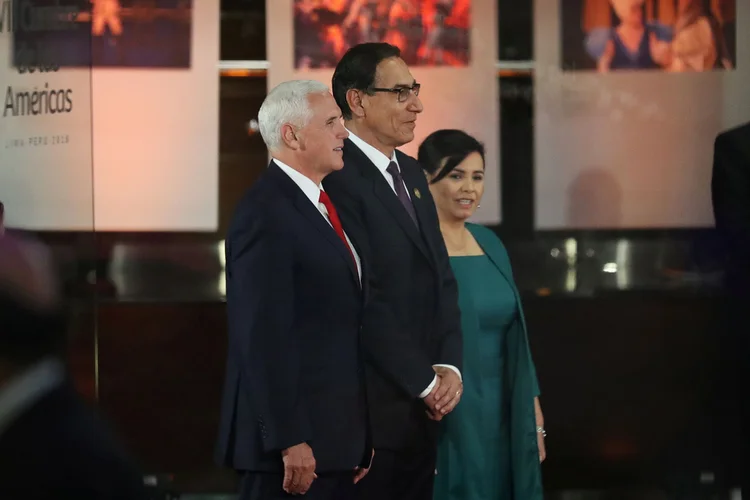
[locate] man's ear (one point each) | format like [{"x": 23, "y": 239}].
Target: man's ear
[
  {"x": 289, "y": 136},
  {"x": 354, "y": 98}
]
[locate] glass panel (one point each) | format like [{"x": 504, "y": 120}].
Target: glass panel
[
  {"x": 515, "y": 26},
  {"x": 243, "y": 30}
]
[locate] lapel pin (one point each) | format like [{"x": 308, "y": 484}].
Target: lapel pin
[{"x": 417, "y": 193}]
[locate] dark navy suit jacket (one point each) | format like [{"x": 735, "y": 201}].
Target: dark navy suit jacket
[
  {"x": 294, "y": 372},
  {"x": 412, "y": 319}
]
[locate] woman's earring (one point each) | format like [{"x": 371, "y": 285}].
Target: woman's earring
[{"x": 479, "y": 205}]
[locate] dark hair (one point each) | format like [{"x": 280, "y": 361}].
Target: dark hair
[
  {"x": 357, "y": 70},
  {"x": 2, "y": 210},
  {"x": 447, "y": 144}
]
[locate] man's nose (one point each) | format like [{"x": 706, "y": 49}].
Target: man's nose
[{"x": 416, "y": 105}]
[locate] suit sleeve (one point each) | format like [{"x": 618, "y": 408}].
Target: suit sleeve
[
  {"x": 386, "y": 346},
  {"x": 730, "y": 189},
  {"x": 451, "y": 347},
  {"x": 262, "y": 311}
]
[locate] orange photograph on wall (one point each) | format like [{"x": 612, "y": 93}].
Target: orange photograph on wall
[{"x": 428, "y": 32}]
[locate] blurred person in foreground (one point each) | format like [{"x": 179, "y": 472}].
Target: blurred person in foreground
[
  {"x": 492, "y": 445},
  {"x": 411, "y": 332},
  {"x": 51, "y": 444},
  {"x": 294, "y": 413},
  {"x": 730, "y": 189}
]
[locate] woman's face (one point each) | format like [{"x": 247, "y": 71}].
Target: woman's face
[
  {"x": 458, "y": 194},
  {"x": 629, "y": 12}
]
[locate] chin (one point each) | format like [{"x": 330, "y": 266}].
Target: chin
[{"x": 464, "y": 215}]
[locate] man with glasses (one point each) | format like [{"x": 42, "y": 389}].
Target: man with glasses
[{"x": 410, "y": 334}]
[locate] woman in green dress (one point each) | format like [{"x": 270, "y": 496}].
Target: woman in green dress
[{"x": 492, "y": 444}]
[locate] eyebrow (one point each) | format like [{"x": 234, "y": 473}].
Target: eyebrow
[
  {"x": 404, "y": 85},
  {"x": 462, "y": 171}
]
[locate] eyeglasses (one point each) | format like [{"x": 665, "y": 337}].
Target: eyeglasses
[{"x": 402, "y": 92}]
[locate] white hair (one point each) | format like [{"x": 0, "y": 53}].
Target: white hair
[{"x": 288, "y": 102}]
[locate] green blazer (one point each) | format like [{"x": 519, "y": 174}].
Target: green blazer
[{"x": 520, "y": 377}]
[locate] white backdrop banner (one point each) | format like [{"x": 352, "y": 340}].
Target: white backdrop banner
[
  {"x": 624, "y": 137},
  {"x": 130, "y": 144},
  {"x": 46, "y": 176},
  {"x": 451, "y": 52}
]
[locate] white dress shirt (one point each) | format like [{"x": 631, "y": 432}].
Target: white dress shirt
[
  {"x": 312, "y": 191},
  {"x": 382, "y": 162},
  {"x": 21, "y": 392}
]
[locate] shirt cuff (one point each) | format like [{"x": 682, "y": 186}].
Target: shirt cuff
[
  {"x": 458, "y": 372},
  {"x": 427, "y": 391}
]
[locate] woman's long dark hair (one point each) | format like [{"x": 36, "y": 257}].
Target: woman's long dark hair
[{"x": 443, "y": 150}]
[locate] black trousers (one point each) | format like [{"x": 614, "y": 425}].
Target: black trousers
[
  {"x": 268, "y": 486},
  {"x": 399, "y": 476}
]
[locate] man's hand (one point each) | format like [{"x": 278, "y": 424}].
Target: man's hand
[
  {"x": 299, "y": 469},
  {"x": 446, "y": 394},
  {"x": 360, "y": 472},
  {"x": 430, "y": 401}
]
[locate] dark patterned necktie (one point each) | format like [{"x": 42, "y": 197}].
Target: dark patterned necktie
[{"x": 398, "y": 184}]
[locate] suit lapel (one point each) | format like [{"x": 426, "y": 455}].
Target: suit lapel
[
  {"x": 420, "y": 205},
  {"x": 313, "y": 215},
  {"x": 361, "y": 278},
  {"x": 386, "y": 195}
]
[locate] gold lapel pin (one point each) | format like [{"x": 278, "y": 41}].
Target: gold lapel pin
[{"x": 417, "y": 193}]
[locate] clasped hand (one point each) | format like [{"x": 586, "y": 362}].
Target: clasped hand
[
  {"x": 299, "y": 469},
  {"x": 445, "y": 395}
]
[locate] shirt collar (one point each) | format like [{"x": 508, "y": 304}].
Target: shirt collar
[
  {"x": 377, "y": 158},
  {"x": 27, "y": 388},
  {"x": 311, "y": 190}
]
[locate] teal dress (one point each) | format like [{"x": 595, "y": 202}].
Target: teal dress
[{"x": 488, "y": 444}]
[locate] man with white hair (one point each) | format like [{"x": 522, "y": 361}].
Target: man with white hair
[
  {"x": 293, "y": 414},
  {"x": 51, "y": 444}
]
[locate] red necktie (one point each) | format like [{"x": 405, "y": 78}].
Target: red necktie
[{"x": 335, "y": 222}]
